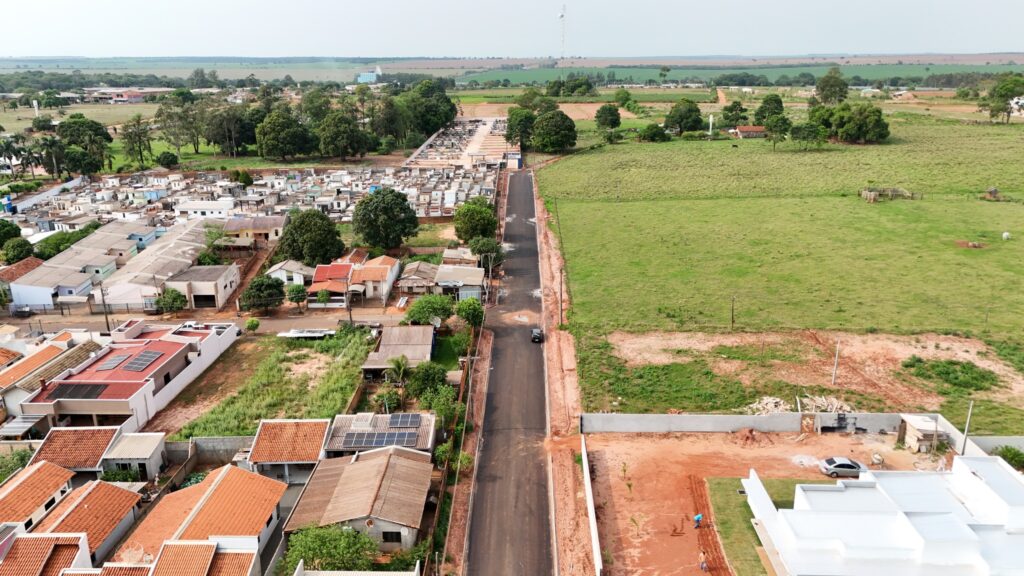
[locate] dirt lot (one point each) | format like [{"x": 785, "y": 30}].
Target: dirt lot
[
  {"x": 868, "y": 363},
  {"x": 648, "y": 487},
  {"x": 582, "y": 111}
]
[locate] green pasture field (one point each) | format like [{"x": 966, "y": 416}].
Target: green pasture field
[
  {"x": 866, "y": 71},
  {"x": 508, "y": 95},
  {"x": 107, "y": 114}
]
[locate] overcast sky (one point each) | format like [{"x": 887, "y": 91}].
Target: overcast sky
[{"x": 517, "y": 28}]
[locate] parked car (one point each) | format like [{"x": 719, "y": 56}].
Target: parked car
[
  {"x": 838, "y": 466},
  {"x": 536, "y": 335}
]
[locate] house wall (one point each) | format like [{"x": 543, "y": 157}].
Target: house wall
[
  {"x": 297, "y": 278},
  {"x": 101, "y": 271},
  {"x": 39, "y": 513},
  {"x": 210, "y": 350},
  {"x": 82, "y": 289},
  {"x": 379, "y": 527},
  {"x": 115, "y": 537},
  {"x": 153, "y": 464},
  {"x": 26, "y": 295},
  {"x": 13, "y": 397}
]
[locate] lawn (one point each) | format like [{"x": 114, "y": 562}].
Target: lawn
[
  {"x": 447, "y": 350},
  {"x": 733, "y": 516},
  {"x": 107, "y": 114},
  {"x": 276, "y": 389},
  {"x": 209, "y": 158}
]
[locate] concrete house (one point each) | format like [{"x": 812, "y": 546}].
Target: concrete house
[
  {"x": 15, "y": 271},
  {"x": 351, "y": 433},
  {"x": 42, "y": 554},
  {"x": 742, "y": 132},
  {"x": 288, "y": 450},
  {"x": 125, "y": 383},
  {"x": 381, "y": 493},
  {"x": 26, "y": 497},
  {"x": 335, "y": 279},
  {"x": 414, "y": 342},
  {"x": 205, "y": 209},
  {"x": 375, "y": 278},
  {"x": 229, "y": 507},
  {"x": 460, "y": 281},
  {"x": 100, "y": 510},
  {"x": 206, "y": 286},
  {"x": 143, "y": 452},
  {"x": 417, "y": 278},
  {"x": 461, "y": 256},
  {"x": 262, "y": 229},
  {"x": 292, "y": 272}
]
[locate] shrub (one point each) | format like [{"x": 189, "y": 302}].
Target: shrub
[
  {"x": 653, "y": 133},
  {"x": 130, "y": 475},
  {"x": 1013, "y": 456},
  {"x": 387, "y": 399},
  {"x": 252, "y": 324},
  {"x": 167, "y": 159},
  {"x": 428, "y": 307}
]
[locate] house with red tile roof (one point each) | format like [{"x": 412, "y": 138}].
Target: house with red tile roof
[
  {"x": 335, "y": 279},
  {"x": 179, "y": 558},
  {"x": 288, "y": 450},
  {"x": 376, "y": 277},
  {"x": 229, "y": 505},
  {"x": 27, "y": 496},
  {"x": 42, "y": 554},
  {"x": 100, "y": 510},
  {"x": 91, "y": 450},
  {"x": 126, "y": 382},
  {"x": 112, "y": 569}
]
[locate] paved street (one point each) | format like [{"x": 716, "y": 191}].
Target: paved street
[{"x": 510, "y": 531}]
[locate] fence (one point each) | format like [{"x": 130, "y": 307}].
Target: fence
[
  {"x": 588, "y": 491},
  {"x": 12, "y": 446}
]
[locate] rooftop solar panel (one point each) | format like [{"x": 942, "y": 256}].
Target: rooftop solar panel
[
  {"x": 111, "y": 362},
  {"x": 361, "y": 440},
  {"x": 142, "y": 361},
  {"x": 76, "y": 391},
  {"x": 404, "y": 420}
]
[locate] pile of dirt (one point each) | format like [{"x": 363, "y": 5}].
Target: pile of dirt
[{"x": 751, "y": 437}]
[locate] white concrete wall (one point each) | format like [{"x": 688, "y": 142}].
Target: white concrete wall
[
  {"x": 597, "y": 423},
  {"x": 588, "y": 491},
  {"x": 25, "y": 295},
  {"x": 379, "y": 527}
]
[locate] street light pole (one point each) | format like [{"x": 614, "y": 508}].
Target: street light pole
[{"x": 103, "y": 300}]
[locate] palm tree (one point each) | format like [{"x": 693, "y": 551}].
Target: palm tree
[
  {"x": 9, "y": 151},
  {"x": 50, "y": 146},
  {"x": 98, "y": 148},
  {"x": 398, "y": 370},
  {"x": 29, "y": 160}
]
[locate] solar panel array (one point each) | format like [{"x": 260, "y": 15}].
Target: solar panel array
[
  {"x": 76, "y": 391},
  {"x": 355, "y": 440},
  {"x": 112, "y": 361},
  {"x": 142, "y": 361},
  {"x": 404, "y": 420}
]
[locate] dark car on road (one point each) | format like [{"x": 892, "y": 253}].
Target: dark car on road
[{"x": 536, "y": 335}]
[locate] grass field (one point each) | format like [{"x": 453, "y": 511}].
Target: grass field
[
  {"x": 507, "y": 95},
  {"x": 867, "y": 71},
  {"x": 733, "y": 516},
  {"x": 107, "y": 114}
]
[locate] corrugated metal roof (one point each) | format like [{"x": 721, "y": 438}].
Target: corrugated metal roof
[{"x": 135, "y": 446}]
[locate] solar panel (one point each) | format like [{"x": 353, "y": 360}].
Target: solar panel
[
  {"x": 112, "y": 361},
  {"x": 76, "y": 391},
  {"x": 360, "y": 440},
  {"x": 404, "y": 420},
  {"x": 142, "y": 361}
]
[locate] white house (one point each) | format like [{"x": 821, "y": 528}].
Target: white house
[
  {"x": 205, "y": 208},
  {"x": 206, "y": 286},
  {"x": 291, "y": 272}
]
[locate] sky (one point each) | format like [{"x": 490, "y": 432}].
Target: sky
[{"x": 523, "y": 28}]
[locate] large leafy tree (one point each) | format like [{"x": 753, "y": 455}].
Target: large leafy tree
[
  {"x": 232, "y": 128},
  {"x": 734, "y": 114},
  {"x": 490, "y": 251},
  {"x": 520, "y": 126},
  {"x": 832, "y": 88},
  {"x": 429, "y": 106},
  {"x": 171, "y": 301},
  {"x": 684, "y": 116},
  {"x": 777, "y": 128},
  {"x": 76, "y": 129},
  {"x": 607, "y": 116},
  {"x": 385, "y": 219},
  {"x": 809, "y": 134},
  {"x": 425, "y": 377},
  {"x": 138, "y": 142},
  {"x": 997, "y": 101},
  {"x": 311, "y": 238},
  {"x": 428, "y": 307},
  {"x": 315, "y": 106},
  {"x": 330, "y": 548},
  {"x": 78, "y": 160},
  {"x": 281, "y": 135},
  {"x": 554, "y": 132},
  {"x": 473, "y": 220},
  {"x": 263, "y": 292},
  {"x": 16, "y": 250},
  {"x": 340, "y": 135},
  {"x": 470, "y": 310},
  {"x": 770, "y": 106},
  {"x": 860, "y": 123}
]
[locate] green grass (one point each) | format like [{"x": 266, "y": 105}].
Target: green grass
[
  {"x": 733, "y": 516},
  {"x": 106, "y": 114},
  {"x": 953, "y": 376},
  {"x": 508, "y": 95},
  {"x": 989, "y": 418},
  {"x": 273, "y": 392},
  {"x": 209, "y": 158},
  {"x": 447, "y": 351},
  {"x": 867, "y": 71},
  {"x": 925, "y": 155}
]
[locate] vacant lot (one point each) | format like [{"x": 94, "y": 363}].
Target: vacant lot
[
  {"x": 107, "y": 114},
  {"x": 648, "y": 487}
]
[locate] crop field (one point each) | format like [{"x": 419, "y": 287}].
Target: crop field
[
  {"x": 866, "y": 71},
  {"x": 107, "y": 114},
  {"x": 508, "y": 95},
  {"x": 688, "y": 237}
]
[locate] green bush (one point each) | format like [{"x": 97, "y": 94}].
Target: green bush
[
  {"x": 1013, "y": 456},
  {"x": 12, "y": 462},
  {"x": 130, "y": 475}
]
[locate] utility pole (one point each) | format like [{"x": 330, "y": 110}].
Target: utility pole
[
  {"x": 835, "y": 366},
  {"x": 732, "y": 314},
  {"x": 103, "y": 300},
  {"x": 967, "y": 426}
]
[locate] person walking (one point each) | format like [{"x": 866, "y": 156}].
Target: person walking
[
  {"x": 696, "y": 521},
  {"x": 703, "y": 558}
]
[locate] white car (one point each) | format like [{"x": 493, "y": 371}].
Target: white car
[{"x": 838, "y": 466}]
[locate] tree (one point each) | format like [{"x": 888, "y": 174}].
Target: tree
[
  {"x": 473, "y": 221},
  {"x": 330, "y": 548},
  {"x": 997, "y": 101},
  {"x": 171, "y": 301},
  {"x": 622, "y": 97},
  {"x": 770, "y": 106},
  {"x": 653, "y": 133},
  {"x": 263, "y": 292},
  {"x": 138, "y": 142},
  {"x": 734, "y": 114},
  {"x": 428, "y": 307},
  {"x": 252, "y": 325},
  {"x": 663, "y": 73},
  {"x": 16, "y": 250},
  {"x": 42, "y": 123},
  {"x": 544, "y": 104},
  {"x": 527, "y": 98},
  {"x": 167, "y": 159},
  {"x": 860, "y": 123},
  {"x": 553, "y": 132},
  {"x": 281, "y": 135},
  {"x": 607, "y": 116},
  {"x": 397, "y": 370},
  {"x": 429, "y": 106},
  {"x": 52, "y": 149},
  {"x": 174, "y": 123},
  {"x": 424, "y": 378},
  {"x": 311, "y": 238},
  {"x": 443, "y": 400},
  {"x": 489, "y": 250},
  {"x": 809, "y": 134},
  {"x": 296, "y": 294},
  {"x": 470, "y": 310},
  {"x": 385, "y": 219},
  {"x": 777, "y": 128},
  {"x": 323, "y": 297},
  {"x": 315, "y": 106},
  {"x": 520, "y": 126},
  {"x": 232, "y": 128},
  {"x": 209, "y": 258},
  {"x": 831, "y": 88},
  {"x": 79, "y": 161},
  {"x": 244, "y": 178},
  {"x": 684, "y": 116},
  {"x": 76, "y": 129},
  {"x": 8, "y": 231},
  {"x": 387, "y": 399},
  {"x": 340, "y": 135}
]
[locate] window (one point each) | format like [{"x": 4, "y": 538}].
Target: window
[
  {"x": 28, "y": 524},
  {"x": 269, "y": 520},
  {"x": 167, "y": 378},
  {"x": 391, "y": 537},
  {"x": 50, "y": 503}
]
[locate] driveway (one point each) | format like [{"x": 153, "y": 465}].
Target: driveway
[{"x": 510, "y": 531}]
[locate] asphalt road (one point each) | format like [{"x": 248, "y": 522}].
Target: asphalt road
[{"x": 510, "y": 531}]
